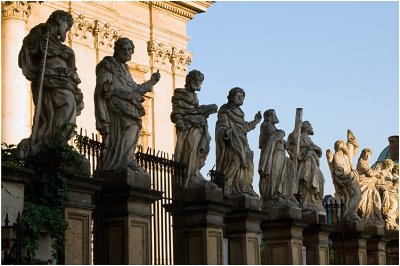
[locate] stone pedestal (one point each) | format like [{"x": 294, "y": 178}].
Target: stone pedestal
[
  {"x": 283, "y": 238},
  {"x": 198, "y": 230},
  {"x": 13, "y": 181},
  {"x": 392, "y": 248},
  {"x": 376, "y": 250},
  {"x": 243, "y": 231},
  {"x": 350, "y": 244},
  {"x": 124, "y": 228},
  {"x": 82, "y": 199},
  {"x": 316, "y": 241}
]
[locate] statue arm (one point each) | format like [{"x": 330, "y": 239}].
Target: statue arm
[
  {"x": 252, "y": 124},
  {"x": 224, "y": 131}
]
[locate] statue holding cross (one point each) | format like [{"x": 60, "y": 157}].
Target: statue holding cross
[{"x": 305, "y": 155}]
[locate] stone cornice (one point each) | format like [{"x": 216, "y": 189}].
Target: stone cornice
[
  {"x": 183, "y": 9},
  {"x": 16, "y": 9}
]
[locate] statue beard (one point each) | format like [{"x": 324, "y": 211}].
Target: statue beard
[{"x": 63, "y": 36}]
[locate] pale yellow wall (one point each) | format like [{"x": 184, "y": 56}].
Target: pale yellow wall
[{"x": 161, "y": 23}]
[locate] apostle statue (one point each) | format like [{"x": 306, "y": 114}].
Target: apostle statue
[
  {"x": 193, "y": 139},
  {"x": 345, "y": 177},
  {"x": 234, "y": 157},
  {"x": 278, "y": 182},
  {"x": 118, "y": 108},
  {"x": 369, "y": 182},
  {"x": 391, "y": 207},
  {"x": 311, "y": 179},
  {"x": 50, "y": 66}
]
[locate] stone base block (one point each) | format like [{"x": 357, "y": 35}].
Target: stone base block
[
  {"x": 283, "y": 241},
  {"x": 283, "y": 213},
  {"x": 203, "y": 193},
  {"x": 243, "y": 202},
  {"x": 126, "y": 178},
  {"x": 314, "y": 217}
]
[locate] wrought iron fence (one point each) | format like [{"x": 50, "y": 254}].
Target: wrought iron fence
[
  {"x": 10, "y": 242},
  {"x": 166, "y": 176},
  {"x": 334, "y": 211}
]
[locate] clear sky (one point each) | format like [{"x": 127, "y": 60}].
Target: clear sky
[{"x": 339, "y": 61}]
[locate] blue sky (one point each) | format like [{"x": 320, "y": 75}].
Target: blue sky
[{"x": 339, "y": 61}]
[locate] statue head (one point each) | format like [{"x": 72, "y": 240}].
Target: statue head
[
  {"x": 123, "y": 50},
  {"x": 236, "y": 96},
  {"x": 60, "y": 23},
  {"x": 270, "y": 116},
  {"x": 340, "y": 145},
  {"x": 193, "y": 81},
  {"x": 388, "y": 164},
  {"x": 365, "y": 153},
  {"x": 306, "y": 127},
  {"x": 59, "y": 16}
]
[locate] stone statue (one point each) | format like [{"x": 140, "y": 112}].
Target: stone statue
[
  {"x": 234, "y": 156},
  {"x": 278, "y": 181},
  {"x": 391, "y": 207},
  {"x": 311, "y": 179},
  {"x": 55, "y": 92},
  {"x": 190, "y": 118},
  {"x": 345, "y": 177},
  {"x": 386, "y": 171},
  {"x": 370, "y": 203},
  {"x": 118, "y": 107}
]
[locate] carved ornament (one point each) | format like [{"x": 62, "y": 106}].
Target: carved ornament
[
  {"x": 163, "y": 54},
  {"x": 16, "y": 9}
]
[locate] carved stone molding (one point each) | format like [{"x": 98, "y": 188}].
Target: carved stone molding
[
  {"x": 164, "y": 56},
  {"x": 16, "y": 9},
  {"x": 182, "y": 9},
  {"x": 104, "y": 34},
  {"x": 180, "y": 60}
]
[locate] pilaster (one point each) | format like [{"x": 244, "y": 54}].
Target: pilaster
[{"x": 16, "y": 103}]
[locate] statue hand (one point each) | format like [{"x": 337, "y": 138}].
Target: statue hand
[
  {"x": 75, "y": 78},
  {"x": 180, "y": 125},
  {"x": 107, "y": 90},
  {"x": 257, "y": 117},
  {"x": 155, "y": 77}
]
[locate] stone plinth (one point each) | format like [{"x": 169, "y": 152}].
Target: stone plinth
[
  {"x": 198, "y": 230},
  {"x": 283, "y": 236},
  {"x": 82, "y": 199},
  {"x": 376, "y": 250},
  {"x": 243, "y": 229},
  {"x": 13, "y": 181},
  {"x": 124, "y": 219},
  {"x": 350, "y": 243},
  {"x": 316, "y": 241},
  {"x": 392, "y": 248}
]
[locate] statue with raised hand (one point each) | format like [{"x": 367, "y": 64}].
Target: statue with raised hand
[
  {"x": 234, "y": 156},
  {"x": 50, "y": 66},
  {"x": 345, "y": 177},
  {"x": 118, "y": 108},
  {"x": 193, "y": 138}
]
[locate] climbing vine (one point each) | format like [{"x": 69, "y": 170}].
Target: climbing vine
[{"x": 46, "y": 194}]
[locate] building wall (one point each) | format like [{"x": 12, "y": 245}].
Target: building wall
[{"x": 158, "y": 30}]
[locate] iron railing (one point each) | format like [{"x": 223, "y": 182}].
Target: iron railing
[{"x": 11, "y": 242}]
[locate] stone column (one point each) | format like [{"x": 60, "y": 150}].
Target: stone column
[
  {"x": 350, "y": 244},
  {"x": 243, "y": 231},
  {"x": 392, "y": 248},
  {"x": 316, "y": 241},
  {"x": 15, "y": 88},
  {"x": 198, "y": 227},
  {"x": 283, "y": 236},
  {"x": 125, "y": 219},
  {"x": 376, "y": 250},
  {"x": 82, "y": 201}
]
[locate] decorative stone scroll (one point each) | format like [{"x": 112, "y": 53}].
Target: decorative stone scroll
[
  {"x": 104, "y": 34},
  {"x": 164, "y": 56},
  {"x": 17, "y": 9}
]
